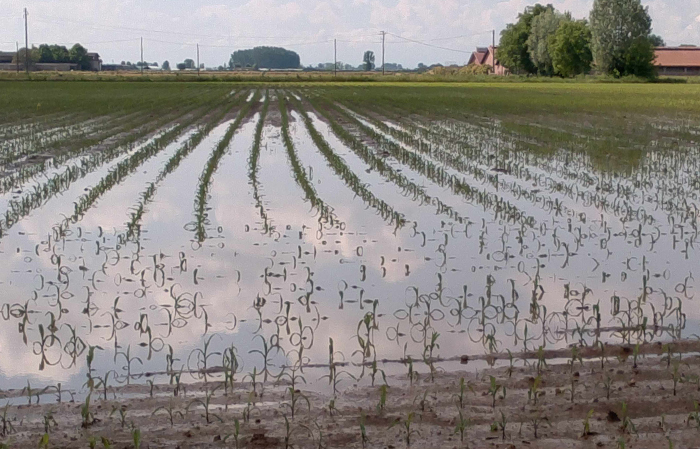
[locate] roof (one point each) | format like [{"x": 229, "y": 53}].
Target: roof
[
  {"x": 677, "y": 57},
  {"x": 481, "y": 55}
]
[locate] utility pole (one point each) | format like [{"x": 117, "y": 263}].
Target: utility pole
[
  {"x": 197, "y": 59},
  {"x": 383, "y": 40},
  {"x": 493, "y": 53},
  {"x": 335, "y": 57},
  {"x": 17, "y": 55},
  {"x": 142, "y": 56},
  {"x": 26, "y": 43}
]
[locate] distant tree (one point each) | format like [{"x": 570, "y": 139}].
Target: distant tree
[
  {"x": 123, "y": 63},
  {"x": 657, "y": 41},
  {"x": 422, "y": 67},
  {"x": 542, "y": 32},
  {"x": 513, "y": 52},
  {"x": 78, "y": 56},
  {"x": 368, "y": 61},
  {"x": 181, "y": 66},
  {"x": 166, "y": 65},
  {"x": 619, "y": 28},
  {"x": 189, "y": 63},
  {"x": 22, "y": 56},
  {"x": 266, "y": 58},
  {"x": 571, "y": 49},
  {"x": 201, "y": 66}
]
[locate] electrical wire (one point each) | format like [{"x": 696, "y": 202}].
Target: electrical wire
[{"x": 429, "y": 45}]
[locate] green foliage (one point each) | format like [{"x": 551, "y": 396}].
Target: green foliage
[
  {"x": 571, "y": 49},
  {"x": 639, "y": 58},
  {"x": 513, "y": 51},
  {"x": 541, "y": 40},
  {"x": 657, "y": 41},
  {"x": 79, "y": 56},
  {"x": 368, "y": 61},
  {"x": 265, "y": 58},
  {"x": 166, "y": 65},
  {"x": 620, "y": 32}
]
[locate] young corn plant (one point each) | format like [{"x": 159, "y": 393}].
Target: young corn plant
[
  {"x": 533, "y": 392},
  {"x": 541, "y": 360},
  {"x": 170, "y": 411},
  {"x": 87, "y": 417},
  {"x": 676, "y": 376},
  {"x": 502, "y": 424},
  {"x": 6, "y": 427},
  {"x": 381, "y": 405},
  {"x": 462, "y": 425},
  {"x": 459, "y": 398},
  {"x": 575, "y": 355},
  {"x": 587, "y": 425},
  {"x": 206, "y": 405},
  {"x": 295, "y": 397},
  {"x": 363, "y": 430},
  {"x": 494, "y": 388},
  {"x": 406, "y": 425},
  {"x": 236, "y": 433},
  {"x": 627, "y": 425},
  {"x": 695, "y": 415},
  {"x": 608, "y": 385},
  {"x": 136, "y": 437},
  {"x": 536, "y": 422}
]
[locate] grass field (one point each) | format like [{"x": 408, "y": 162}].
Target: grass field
[{"x": 349, "y": 264}]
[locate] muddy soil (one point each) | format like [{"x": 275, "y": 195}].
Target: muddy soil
[{"x": 657, "y": 415}]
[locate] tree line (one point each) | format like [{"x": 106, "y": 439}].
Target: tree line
[
  {"x": 616, "y": 40},
  {"x": 55, "y": 54}
]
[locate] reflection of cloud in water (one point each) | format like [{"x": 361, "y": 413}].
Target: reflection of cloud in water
[{"x": 174, "y": 302}]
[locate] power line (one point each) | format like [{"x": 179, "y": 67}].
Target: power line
[{"x": 429, "y": 45}]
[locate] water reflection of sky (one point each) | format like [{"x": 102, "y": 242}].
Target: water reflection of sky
[{"x": 318, "y": 281}]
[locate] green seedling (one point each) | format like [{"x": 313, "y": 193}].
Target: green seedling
[
  {"x": 462, "y": 425},
  {"x": 382, "y": 399},
  {"x": 170, "y": 412},
  {"x": 406, "y": 424},
  {"x": 494, "y": 388},
  {"x": 206, "y": 404},
  {"x": 587, "y": 425}
]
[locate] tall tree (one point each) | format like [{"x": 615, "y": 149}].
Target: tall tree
[
  {"x": 368, "y": 61},
  {"x": 78, "y": 55},
  {"x": 513, "y": 52},
  {"x": 571, "y": 49},
  {"x": 542, "y": 32},
  {"x": 617, "y": 26},
  {"x": 166, "y": 65}
]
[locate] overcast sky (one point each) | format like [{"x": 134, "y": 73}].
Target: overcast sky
[{"x": 172, "y": 28}]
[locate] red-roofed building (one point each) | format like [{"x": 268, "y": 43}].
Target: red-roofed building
[
  {"x": 678, "y": 61},
  {"x": 485, "y": 56}
]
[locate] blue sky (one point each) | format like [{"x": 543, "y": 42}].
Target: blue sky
[{"x": 172, "y": 28}]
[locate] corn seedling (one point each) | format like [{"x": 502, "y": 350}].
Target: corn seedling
[
  {"x": 406, "y": 425},
  {"x": 494, "y": 388},
  {"x": 170, "y": 412},
  {"x": 462, "y": 425},
  {"x": 586, "y": 424}
]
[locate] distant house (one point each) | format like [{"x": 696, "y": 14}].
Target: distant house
[
  {"x": 485, "y": 56},
  {"x": 678, "y": 61},
  {"x": 95, "y": 62},
  {"x": 6, "y": 57}
]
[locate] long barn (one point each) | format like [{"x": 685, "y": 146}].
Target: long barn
[{"x": 678, "y": 61}]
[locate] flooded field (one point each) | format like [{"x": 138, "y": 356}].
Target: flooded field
[{"x": 234, "y": 248}]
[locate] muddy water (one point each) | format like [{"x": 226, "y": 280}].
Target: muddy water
[{"x": 275, "y": 287}]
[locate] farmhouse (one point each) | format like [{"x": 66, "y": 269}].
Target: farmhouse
[
  {"x": 6, "y": 57},
  {"x": 678, "y": 61},
  {"x": 95, "y": 62},
  {"x": 485, "y": 56}
]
